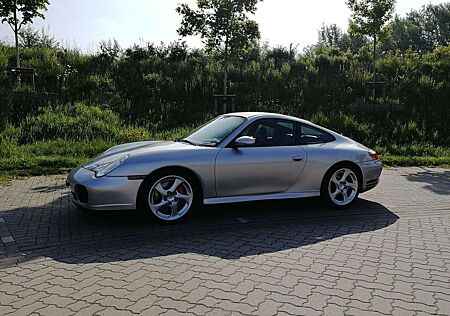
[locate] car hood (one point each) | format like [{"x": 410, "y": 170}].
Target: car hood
[{"x": 138, "y": 148}]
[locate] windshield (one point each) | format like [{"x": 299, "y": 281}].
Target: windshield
[{"x": 215, "y": 131}]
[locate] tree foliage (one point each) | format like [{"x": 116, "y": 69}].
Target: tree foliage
[
  {"x": 369, "y": 16},
  {"x": 221, "y": 23},
  {"x": 17, "y": 13},
  {"x": 31, "y": 38},
  {"x": 330, "y": 35},
  {"x": 29, "y": 10},
  {"x": 333, "y": 36},
  {"x": 423, "y": 30}
]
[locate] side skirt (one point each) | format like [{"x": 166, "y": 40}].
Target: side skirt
[{"x": 248, "y": 198}]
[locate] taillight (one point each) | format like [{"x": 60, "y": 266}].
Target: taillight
[{"x": 373, "y": 155}]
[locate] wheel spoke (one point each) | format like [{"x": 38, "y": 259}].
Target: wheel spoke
[
  {"x": 183, "y": 197},
  {"x": 174, "y": 209},
  {"x": 344, "y": 196},
  {"x": 175, "y": 185},
  {"x": 335, "y": 194},
  {"x": 335, "y": 180},
  {"x": 345, "y": 175},
  {"x": 159, "y": 206},
  {"x": 351, "y": 185},
  {"x": 161, "y": 190}
]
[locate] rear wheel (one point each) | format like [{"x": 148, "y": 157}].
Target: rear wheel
[
  {"x": 169, "y": 196},
  {"x": 340, "y": 186}
]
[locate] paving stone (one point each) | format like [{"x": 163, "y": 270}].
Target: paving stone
[
  {"x": 268, "y": 307},
  {"x": 144, "y": 303},
  {"x": 335, "y": 310},
  {"x": 117, "y": 303},
  {"x": 92, "y": 309},
  {"x": 54, "y": 310},
  {"x": 387, "y": 254},
  {"x": 58, "y": 301}
]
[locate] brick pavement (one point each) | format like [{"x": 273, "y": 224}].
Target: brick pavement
[{"x": 387, "y": 254}]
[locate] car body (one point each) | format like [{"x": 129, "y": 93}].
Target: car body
[{"x": 291, "y": 161}]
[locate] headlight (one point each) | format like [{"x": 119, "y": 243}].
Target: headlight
[{"x": 105, "y": 168}]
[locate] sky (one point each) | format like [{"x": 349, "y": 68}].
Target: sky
[{"x": 83, "y": 23}]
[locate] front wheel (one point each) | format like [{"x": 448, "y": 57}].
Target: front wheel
[
  {"x": 168, "y": 196},
  {"x": 340, "y": 186}
]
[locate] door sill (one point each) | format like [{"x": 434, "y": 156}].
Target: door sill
[{"x": 248, "y": 198}]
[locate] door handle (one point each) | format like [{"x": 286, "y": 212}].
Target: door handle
[{"x": 298, "y": 158}]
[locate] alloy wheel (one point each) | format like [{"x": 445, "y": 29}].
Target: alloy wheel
[
  {"x": 343, "y": 187},
  {"x": 170, "y": 198}
]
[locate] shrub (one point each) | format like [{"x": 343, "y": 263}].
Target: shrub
[
  {"x": 78, "y": 123},
  {"x": 345, "y": 124}
]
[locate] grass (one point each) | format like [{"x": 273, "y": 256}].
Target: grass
[
  {"x": 57, "y": 157},
  {"x": 426, "y": 161},
  {"x": 5, "y": 179},
  {"x": 56, "y": 140}
]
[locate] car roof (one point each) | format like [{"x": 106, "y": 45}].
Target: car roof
[
  {"x": 265, "y": 115},
  {"x": 257, "y": 115}
]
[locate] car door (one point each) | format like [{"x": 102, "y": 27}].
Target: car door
[{"x": 272, "y": 165}]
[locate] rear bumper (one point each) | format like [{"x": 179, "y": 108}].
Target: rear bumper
[
  {"x": 371, "y": 172},
  {"x": 105, "y": 193}
]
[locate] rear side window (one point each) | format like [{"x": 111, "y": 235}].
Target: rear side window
[{"x": 313, "y": 135}]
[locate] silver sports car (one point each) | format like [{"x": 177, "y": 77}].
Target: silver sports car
[{"x": 233, "y": 158}]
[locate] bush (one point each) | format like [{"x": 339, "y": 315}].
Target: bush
[
  {"x": 56, "y": 140},
  {"x": 78, "y": 123},
  {"x": 346, "y": 124},
  {"x": 161, "y": 87}
]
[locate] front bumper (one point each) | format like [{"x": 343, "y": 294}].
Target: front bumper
[
  {"x": 105, "y": 193},
  {"x": 371, "y": 172}
]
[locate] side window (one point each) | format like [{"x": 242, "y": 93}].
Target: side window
[
  {"x": 312, "y": 135},
  {"x": 271, "y": 133}
]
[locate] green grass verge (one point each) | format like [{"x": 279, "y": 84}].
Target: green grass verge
[
  {"x": 44, "y": 165},
  {"x": 426, "y": 161}
]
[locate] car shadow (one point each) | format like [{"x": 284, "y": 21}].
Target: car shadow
[
  {"x": 49, "y": 189},
  {"x": 437, "y": 182},
  {"x": 67, "y": 234}
]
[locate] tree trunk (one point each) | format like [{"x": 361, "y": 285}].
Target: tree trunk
[
  {"x": 16, "y": 35},
  {"x": 374, "y": 59},
  {"x": 225, "y": 78},
  {"x": 225, "y": 74}
]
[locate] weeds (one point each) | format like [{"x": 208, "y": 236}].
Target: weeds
[{"x": 54, "y": 141}]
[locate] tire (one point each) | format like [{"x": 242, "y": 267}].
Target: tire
[
  {"x": 169, "y": 195},
  {"x": 341, "y": 186}
]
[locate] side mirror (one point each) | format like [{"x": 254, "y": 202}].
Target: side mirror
[{"x": 245, "y": 141}]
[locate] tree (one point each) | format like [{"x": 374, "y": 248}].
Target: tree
[
  {"x": 330, "y": 35},
  {"x": 223, "y": 25},
  {"x": 18, "y": 13},
  {"x": 333, "y": 36},
  {"x": 434, "y": 22},
  {"x": 368, "y": 18},
  {"x": 404, "y": 34},
  {"x": 31, "y": 38}
]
